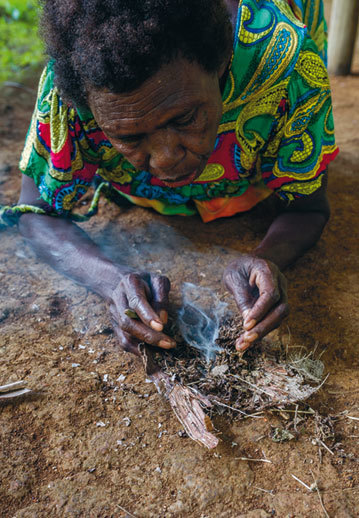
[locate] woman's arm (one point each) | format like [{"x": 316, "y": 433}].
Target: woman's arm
[
  {"x": 256, "y": 281},
  {"x": 68, "y": 249}
]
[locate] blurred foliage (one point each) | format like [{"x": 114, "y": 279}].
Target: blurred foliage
[{"x": 21, "y": 49}]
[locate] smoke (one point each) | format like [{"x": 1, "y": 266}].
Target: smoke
[
  {"x": 199, "y": 318},
  {"x": 157, "y": 247}
]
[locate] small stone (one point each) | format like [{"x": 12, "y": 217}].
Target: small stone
[
  {"x": 100, "y": 424},
  {"x": 75, "y": 365},
  {"x": 121, "y": 378},
  {"x": 127, "y": 421},
  {"x": 219, "y": 370}
]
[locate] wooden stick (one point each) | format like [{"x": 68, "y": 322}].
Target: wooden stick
[
  {"x": 186, "y": 402},
  {"x": 342, "y": 34}
]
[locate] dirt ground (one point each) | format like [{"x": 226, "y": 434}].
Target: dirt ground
[{"x": 97, "y": 440}]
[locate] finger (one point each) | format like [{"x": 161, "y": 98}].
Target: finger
[
  {"x": 269, "y": 296},
  {"x": 137, "y": 298},
  {"x": 146, "y": 334},
  {"x": 242, "y": 293},
  {"x": 127, "y": 342},
  {"x": 160, "y": 288},
  {"x": 270, "y": 322}
]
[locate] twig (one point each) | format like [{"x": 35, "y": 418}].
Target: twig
[
  {"x": 352, "y": 418},
  {"x": 254, "y": 460},
  {"x": 322, "y": 383},
  {"x": 125, "y": 511},
  {"x": 236, "y": 409},
  {"x": 319, "y": 496},
  {"x": 270, "y": 491},
  {"x": 251, "y": 385},
  {"x": 310, "y": 488},
  {"x": 325, "y": 446},
  {"x": 311, "y": 412}
]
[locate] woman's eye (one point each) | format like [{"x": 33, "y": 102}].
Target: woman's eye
[{"x": 187, "y": 119}]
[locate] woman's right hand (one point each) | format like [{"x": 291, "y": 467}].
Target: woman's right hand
[{"x": 145, "y": 294}]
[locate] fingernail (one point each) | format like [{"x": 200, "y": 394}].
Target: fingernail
[
  {"x": 250, "y": 337},
  {"x": 166, "y": 344},
  {"x": 156, "y": 325},
  {"x": 241, "y": 345},
  {"x": 164, "y": 316},
  {"x": 249, "y": 325}
]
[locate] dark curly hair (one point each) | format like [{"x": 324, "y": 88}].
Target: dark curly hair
[{"x": 118, "y": 44}]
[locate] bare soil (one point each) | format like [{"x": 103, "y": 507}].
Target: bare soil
[{"x": 98, "y": 441}]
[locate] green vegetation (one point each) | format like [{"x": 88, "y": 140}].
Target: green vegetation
[{"x": 21, "y": 49}]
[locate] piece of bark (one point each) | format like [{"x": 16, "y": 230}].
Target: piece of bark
[{"x": 186, "y": 403}]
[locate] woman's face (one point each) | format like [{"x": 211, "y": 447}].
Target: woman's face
[{"x": 167, "y": 126}]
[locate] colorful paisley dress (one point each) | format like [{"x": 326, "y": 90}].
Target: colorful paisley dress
[{"x": 276, "y": 133}]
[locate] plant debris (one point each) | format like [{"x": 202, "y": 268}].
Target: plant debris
[{"x": 237, "y": 383}]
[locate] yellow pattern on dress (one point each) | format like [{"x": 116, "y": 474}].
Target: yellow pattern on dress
[
  {"x": 67, "y": 202},
  {"x": 311, "y": 67},
  {"x": 211, "y": 172},
  {"x": 308, "y": 146},
  {"x": 303, "y": 188},
  {"x": 117, "y": 174},
  {"x": 58, "y": 123},
  {"x": 233, "y": 85},
  {"x": 276, "y": 140},
  {"x": 248, "y": 37},
  {"x": 283, "y": 52},
  {"x": 250, "y": 140},
  {"x": 326, "y": 150},
  {"x": 300, "y": 118},
  {"x": 328, "y": 116},
  {"x": 31, "y": 138}
]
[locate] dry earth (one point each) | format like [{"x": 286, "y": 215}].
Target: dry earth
[{"x": 98, "y": 441}]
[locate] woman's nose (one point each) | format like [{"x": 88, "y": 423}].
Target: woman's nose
[{"x": 165, "y": 152}]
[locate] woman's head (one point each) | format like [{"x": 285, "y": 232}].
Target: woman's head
[
  {"x": 118, "y": 44},
  {"x": 149, "y": 70}
]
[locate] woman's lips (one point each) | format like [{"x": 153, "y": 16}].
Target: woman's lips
[{"x": 184, "y": 180}]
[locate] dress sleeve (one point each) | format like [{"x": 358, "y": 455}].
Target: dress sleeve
[
  {"x": 305, "y": 139},
  {"x": 57, "y": 154}
]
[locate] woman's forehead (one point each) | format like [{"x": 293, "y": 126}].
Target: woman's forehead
[{"x": 176, "y": 87}]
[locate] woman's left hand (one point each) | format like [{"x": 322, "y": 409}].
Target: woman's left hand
[{"x": 260, "y": 291}]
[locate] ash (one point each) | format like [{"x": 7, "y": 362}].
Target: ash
[{"x": 237, "y": 383}]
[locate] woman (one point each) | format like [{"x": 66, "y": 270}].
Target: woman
[{"x": 184, "y": 106}]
